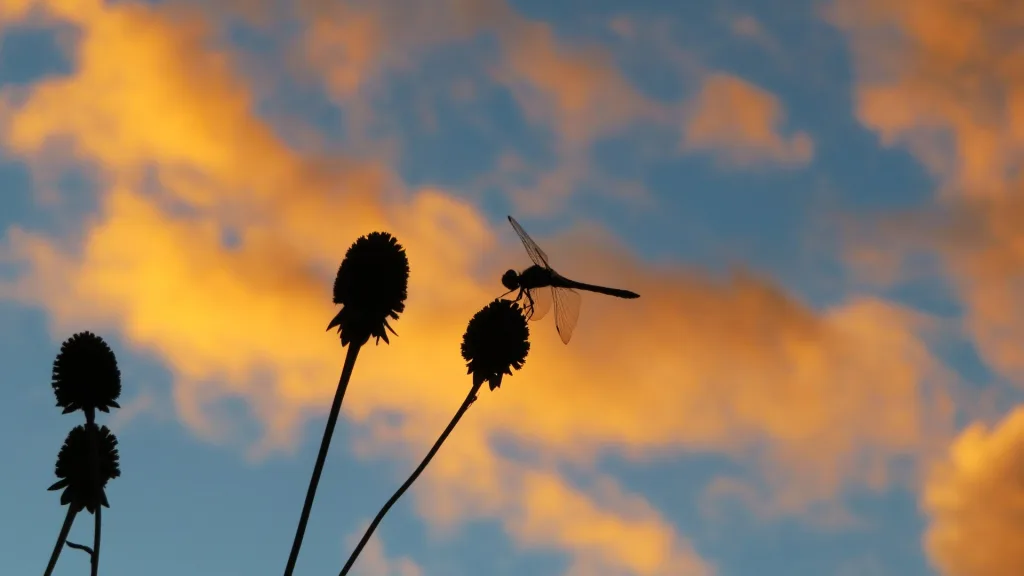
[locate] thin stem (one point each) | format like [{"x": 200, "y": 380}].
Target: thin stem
[
  {"x": 97, "y": 516},
  {"x": 470, "y": 398},
  {"x": 96, "y": 541},
  {"x": 64, "y": 530},
  {"x": 325, "y": 444}
]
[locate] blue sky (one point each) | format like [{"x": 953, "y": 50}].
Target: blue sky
[{"x": 819, "y": 378}]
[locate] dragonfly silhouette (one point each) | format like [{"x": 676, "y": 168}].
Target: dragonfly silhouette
[{"x": 535, "y": 281}]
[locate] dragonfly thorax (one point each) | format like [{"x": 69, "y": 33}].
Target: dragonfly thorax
[{"x": 535, "y": 277}]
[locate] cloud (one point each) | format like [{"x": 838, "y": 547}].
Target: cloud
[
  {"x": 738, "y": 123},
  {"x": 373, "y": 561},
  {"x": 941, "y": 79},
  {"x": 580, "y": 91},
  {"x": 750, "y": 29},
  {"x": 574, "y": 91},
  {"x": 818, "y": 400},
  {"x": 347, "y": 47},
  {"x": 606, "y": 530},
  {"x": 973, "y": 500},
  {"x": 628, "y": 532}
]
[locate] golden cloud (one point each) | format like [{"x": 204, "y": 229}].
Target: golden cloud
[
  {"x": 739, "y": 123},
  {"x": 944, "y": 80},
  {"x": 731, "y": 365},
  {"x": 374, "y": 561},
  {"x": 573, "y": 89},
  {"x": 975, "y": 502}
]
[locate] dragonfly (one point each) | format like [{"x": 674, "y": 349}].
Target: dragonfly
[{"x": 541, "y": 286}]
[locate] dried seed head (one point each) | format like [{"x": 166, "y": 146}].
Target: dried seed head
[
  {"x": 371, "y": 286},
  {"x": 496, "y": 342},
  {"x": 85, "y": 375},
  {"x": 87, "y": 461}
]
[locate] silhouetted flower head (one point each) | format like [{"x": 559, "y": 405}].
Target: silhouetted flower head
[
  {"x": 83, "y": 486},
  {"x": 496, "y": 341},
  {"x": 85, "y": 375},
  {"x": 371, "y": 285}
]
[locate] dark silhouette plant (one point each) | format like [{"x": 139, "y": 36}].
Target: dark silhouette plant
[
  {"x": 86, "y": 378},
  {"x": 371, "y": 286},
  {"x": 86, "y": 462},
  {"x": 496, "y": 342}
]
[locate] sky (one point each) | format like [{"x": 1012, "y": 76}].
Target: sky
[{"x": 820, "y": 204}]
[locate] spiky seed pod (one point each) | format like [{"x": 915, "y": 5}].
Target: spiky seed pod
[
  {"x": 496, "y": 342},
  {"x": 83, "y": 481},
  {"x": 85, "y": 375},
  {"x": 371, "y": 286}
]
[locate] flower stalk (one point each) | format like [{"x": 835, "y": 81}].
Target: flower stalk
[
  {"x": 86, "y": 378},
  {"x": 86, "y": 462},
  {"x": 371, "y": 286},
  {"x": 321, "y": 457},
  {"x": 496, "y": 342},
  {"x": 65, "y": 529},
  {"x": 470, "y": 398}
]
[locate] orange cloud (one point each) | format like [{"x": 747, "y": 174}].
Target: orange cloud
[
  {"x": 576, "y": 91},
  {"x": 374, "y": 562},
  {"x": 738, "y": 122},
  {"x": 228, "y": 321},
  {"x": 580, "y": 91},
  {"x": 942, "y": 78},
  {"x": 944, "y": 81},
  {"x": 348, "y": 47},
  {"x": 627, "y": 532},
  {"x": 733, "y": 366},
  {"x": 973, "y": 499},
  {"x": 749, "y": 28}
]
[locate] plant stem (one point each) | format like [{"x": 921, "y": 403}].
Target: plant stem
[
  {"x": 325, "y": 444},
  {"x": 81, "y": 547},
  {"x": 470, "y": 398},
  {"x": 64, "y": 530},
  {"x": 95, "y": 562}
]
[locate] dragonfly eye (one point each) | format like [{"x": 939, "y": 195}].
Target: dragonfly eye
[{"x": 510, "y": 279}]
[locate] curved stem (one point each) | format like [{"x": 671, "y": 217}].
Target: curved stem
[
  {"x": 81, "y": 547},
  {"x": 470, "y": 398},
  {"x": 64, "y": 530},
  {"x": 325, "y": 444},
  {"x": 96, "y": 541}
]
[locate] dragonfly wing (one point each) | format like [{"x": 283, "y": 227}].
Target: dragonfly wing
[
  {"x": 541, "y": 303},
  {"x": 567, "y": 311},
  {"x": 536, "y": 254}
]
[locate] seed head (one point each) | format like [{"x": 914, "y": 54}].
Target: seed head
[
  {"x": 85, "y": 375},
  {"x": 371, "y": 286},
  {"x": 496, "y": 342},
  {"x": 83, "y": 481}
]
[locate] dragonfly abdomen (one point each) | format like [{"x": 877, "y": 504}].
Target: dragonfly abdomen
[{"x": 617, "y": 292}]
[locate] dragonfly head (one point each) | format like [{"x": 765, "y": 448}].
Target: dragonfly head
[{"x": 510, "y": 280}]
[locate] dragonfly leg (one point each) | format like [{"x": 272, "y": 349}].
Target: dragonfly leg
[{"x": 529, "y": 306}]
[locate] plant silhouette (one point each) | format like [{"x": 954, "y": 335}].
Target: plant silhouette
[
  {"x": 496, "y": 342},
  {"x": 371, "y": 286},
  {"x": 86, "y": 378}
]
